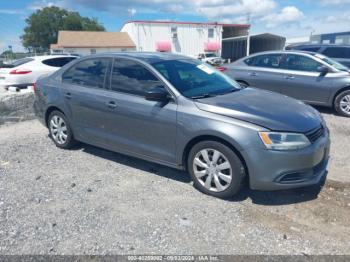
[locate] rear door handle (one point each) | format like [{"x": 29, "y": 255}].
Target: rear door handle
[
  {"x": 289, "y": 77},
  {"x": 68, "y": 95},
  {"x": 112, "y": 104},
  {"x": 253, "y": 74}
]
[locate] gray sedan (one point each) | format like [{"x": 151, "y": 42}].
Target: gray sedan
[
  {"x": 310, "y": 77},
  {"x": 183, "y": 113}
]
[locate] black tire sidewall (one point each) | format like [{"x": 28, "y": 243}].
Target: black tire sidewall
[
  {"x": 70, "y": 140},
  {"x": 237, "y": 166},
  {"x": 337, "y": 103}
]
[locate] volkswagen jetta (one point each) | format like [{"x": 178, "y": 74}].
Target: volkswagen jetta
[{"x": 180, "y": 112}]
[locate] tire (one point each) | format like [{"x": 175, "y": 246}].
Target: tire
[
  {"x": 230, "y": 179},
  {"x": 60, "y": 130},
  {"x": 342, "y": 103},
  {"x": 243, "y": 84}
]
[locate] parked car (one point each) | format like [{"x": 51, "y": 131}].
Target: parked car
[
  {"x": 340, "y": 53},
  {"x": 24, "y": 72},
  {"x": 211, "y": 58},
  {"x": 310, "y": 77},
  {"x": 180, "y": 112}
]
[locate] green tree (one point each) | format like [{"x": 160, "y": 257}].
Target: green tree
[{"x": 43, "y": 26}]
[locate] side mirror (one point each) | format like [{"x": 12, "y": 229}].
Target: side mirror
[
  {"x": 158, "y": 94},
  {"x": 324, "y": 70}
]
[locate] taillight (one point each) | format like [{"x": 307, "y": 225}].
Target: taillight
[
  {"x": 221, "y": 68},
  {"x": 20, "y": 72}
]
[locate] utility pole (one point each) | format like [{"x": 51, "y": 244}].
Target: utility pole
[{"x": 248, "y": 35}]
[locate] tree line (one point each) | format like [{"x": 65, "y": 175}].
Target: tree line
[{"x": 43, "y": 25}]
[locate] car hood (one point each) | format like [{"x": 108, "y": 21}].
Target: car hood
[{"x": 267, "y": 109}]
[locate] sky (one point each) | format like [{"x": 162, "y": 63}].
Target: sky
[{"x": 289, "y": 18}]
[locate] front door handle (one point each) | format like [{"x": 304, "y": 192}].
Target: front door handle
[
  {"x": 111, "y": 104},
  {"x": 68, "y": 95},
  {"x": 253, "y": 74}
]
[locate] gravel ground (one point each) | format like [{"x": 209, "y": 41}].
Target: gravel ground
[{"x": 92, "y": 201}]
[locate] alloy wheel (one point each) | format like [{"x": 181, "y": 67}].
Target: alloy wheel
[
  {"x": 212, "y": 170},
  {"x": 345, "y": 104},
  {"x": 58, "y": 130}
]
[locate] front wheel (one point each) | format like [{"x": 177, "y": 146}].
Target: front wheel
[
  {"x": 342, "y": 103},
  {"x": 215, "y": 169}
]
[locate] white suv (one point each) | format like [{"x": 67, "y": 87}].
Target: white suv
[{"x": 24, "y": 72}]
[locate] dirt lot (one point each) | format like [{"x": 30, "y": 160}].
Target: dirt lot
[{"x": 91, "y": 201}]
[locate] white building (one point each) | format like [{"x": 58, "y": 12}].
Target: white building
[
  {"x": 86, "y": 42},
  {"x": 187, "y": 38}
]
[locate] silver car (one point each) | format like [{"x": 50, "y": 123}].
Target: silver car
[
  {"x": 310, "y": 77},
  {"x": 185, "y": 114}
]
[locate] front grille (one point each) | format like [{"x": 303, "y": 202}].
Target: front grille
[{"x": 315, "y": 134}]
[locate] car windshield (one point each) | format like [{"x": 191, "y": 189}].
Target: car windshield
[
  {"x": 332, "y": 62},
  {"x": 195, "y": 79}
]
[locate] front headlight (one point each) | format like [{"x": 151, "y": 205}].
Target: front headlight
[{"x": 284, "y": 141}]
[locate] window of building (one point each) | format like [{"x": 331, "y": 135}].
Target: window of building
[
  {"x": 132, "y": 78},
  {"x": 173, "y": 29},
  {"x": 339, "y": 41},
  {"x": 211, "y": 33},
  {"x": 88, "y": 73}
]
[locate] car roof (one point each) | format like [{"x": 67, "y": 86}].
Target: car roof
[
  {"x": 319, "y": 45},
  {"x": 148, "y": 57},
  {"x": 285, "y": 52}
]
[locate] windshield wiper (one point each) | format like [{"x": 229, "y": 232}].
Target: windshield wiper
[
  {"x": 203, "y": 96},
  {"x": 229, "y": 91}
]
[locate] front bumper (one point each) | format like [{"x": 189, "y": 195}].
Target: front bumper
[{"x": 278, "y": 170}]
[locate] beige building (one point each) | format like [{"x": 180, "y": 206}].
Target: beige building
[{"x": 86, "y": 42}]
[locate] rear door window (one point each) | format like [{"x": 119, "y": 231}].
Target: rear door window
[
  {"x": 266, "y": 61},
  {"x": 58, "y": 61},
  {"x": 337, "y": 52},
  {"x": 88, "y": 73}
]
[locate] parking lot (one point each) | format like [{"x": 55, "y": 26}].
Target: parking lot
[{"x": 92, "y": 201}]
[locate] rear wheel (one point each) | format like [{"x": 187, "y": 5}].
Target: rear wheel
[
  {"x": 60, "y": 131},
  {"x": 342, "y": 103},
  {"x": 215, "y": 169}
]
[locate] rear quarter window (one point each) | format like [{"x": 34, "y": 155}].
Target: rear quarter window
[
  {"x": 58, "y": 61},
  {"x": 249, "y": 61}
]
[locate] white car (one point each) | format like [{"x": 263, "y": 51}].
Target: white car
[
  {"x": 211, "y": 58},
  {"x": 24, "y": 72}
]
